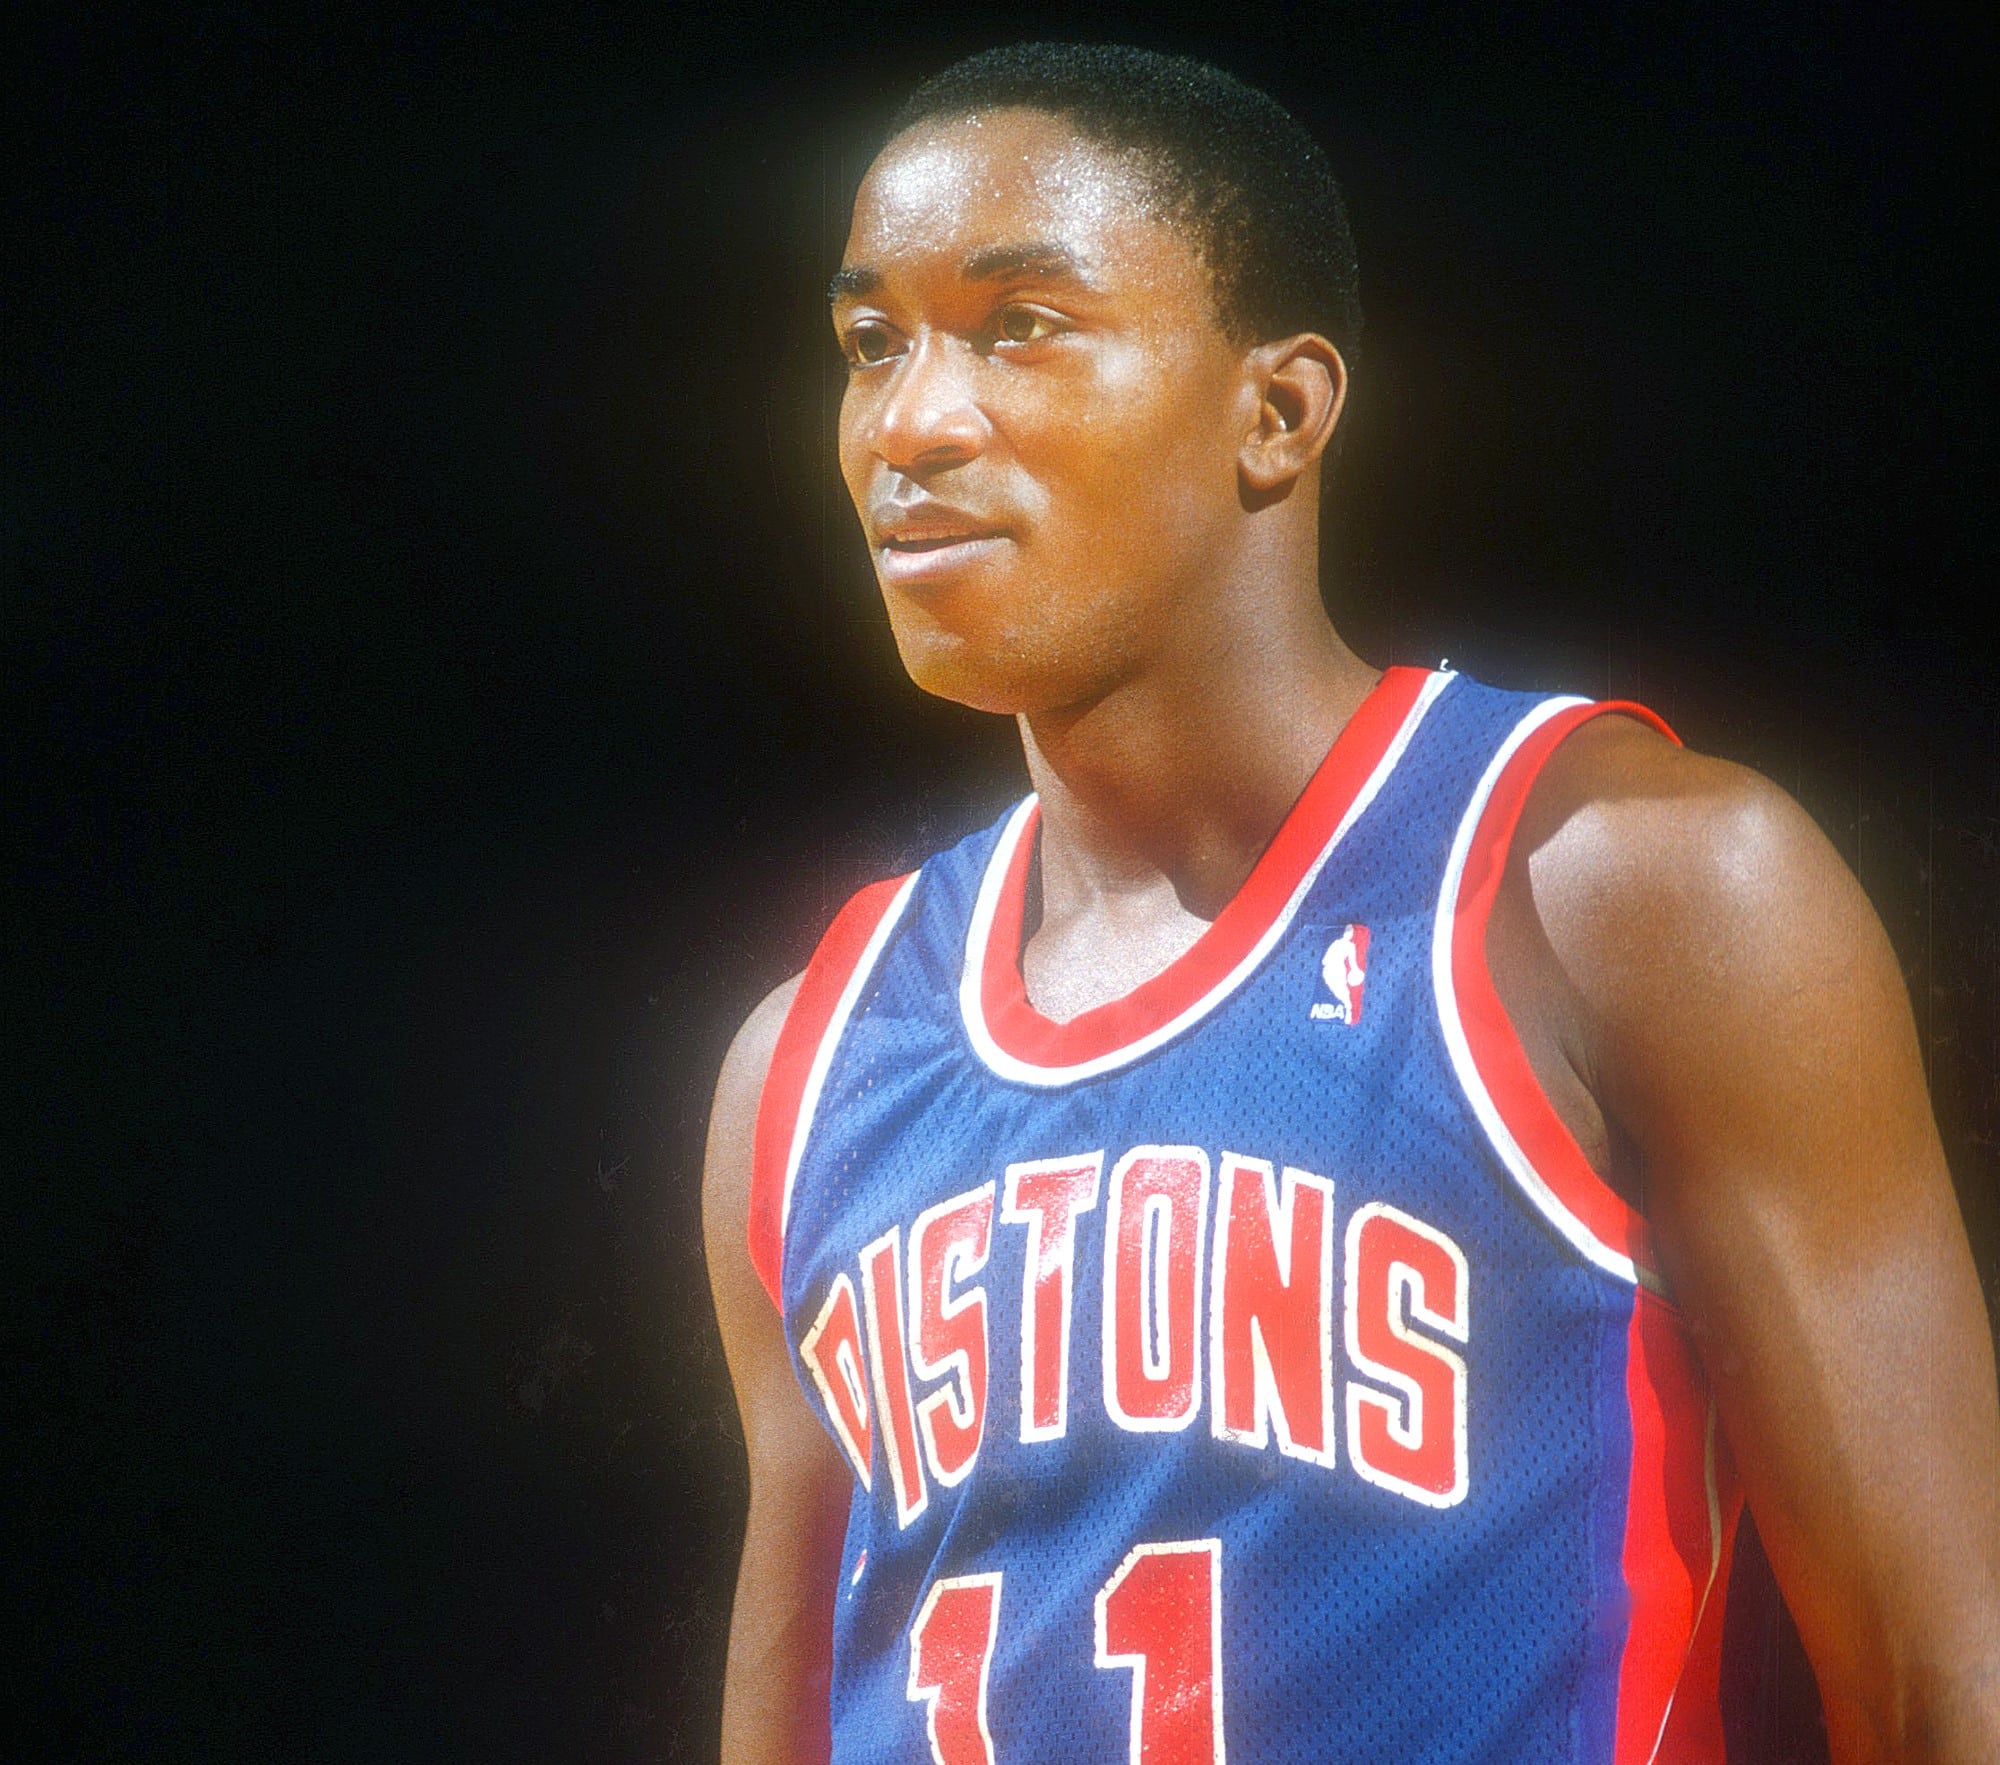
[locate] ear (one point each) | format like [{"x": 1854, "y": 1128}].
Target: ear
[{"x": 1300, "y": 385}]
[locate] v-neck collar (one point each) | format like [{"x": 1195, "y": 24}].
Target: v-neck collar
[{"x": 1018, "y": 1042}]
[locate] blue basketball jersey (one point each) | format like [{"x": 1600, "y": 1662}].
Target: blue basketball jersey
[{"x": 1252, "y": 1367}]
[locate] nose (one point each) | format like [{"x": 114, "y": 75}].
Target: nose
[{"x": 930, "y": 420}]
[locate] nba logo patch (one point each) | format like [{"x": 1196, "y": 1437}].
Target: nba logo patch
[{"x": 1344, "y": 968}]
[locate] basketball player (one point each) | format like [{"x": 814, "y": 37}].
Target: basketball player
[{"x": 1299, "y": 1242}]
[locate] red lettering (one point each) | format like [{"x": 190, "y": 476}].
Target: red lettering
[
  {"x": 833, "y": 1355},
  {"x": 1154, "y": 1236},
  {"x": 949, "y": 1243},
  {"x": 1271, "y": 1319},
  {"x": 1046, "y": 1196},
  {"x": 1400, "y": 1270},
  {"x": 882, "y": 1292}
]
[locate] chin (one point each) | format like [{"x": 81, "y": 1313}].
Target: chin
[
  {"x": 948, "y": 650},
  {"x": 947, "y": 667},
  {"x": 1009, "y": 681},
  {"x": 965, "y": 648}
]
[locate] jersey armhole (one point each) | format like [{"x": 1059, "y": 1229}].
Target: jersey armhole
[
  {"x": 828, "y": 992},
  {"x": 1670, "y": 1573},
  {"x": 1530, "y": 1138}
]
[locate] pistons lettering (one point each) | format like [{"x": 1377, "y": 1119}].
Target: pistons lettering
[
  {"x": 1271, "y": 1324},
  {"x": 1153, "y": 1237},
  {"x": 1047, "y": 1196},
  {"x": 948, "y": 1244},
  {"x": 1227, "y": 1284},
  {"x": 1402, "y": 1272}
]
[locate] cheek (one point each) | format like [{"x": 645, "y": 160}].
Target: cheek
[
  {"x": 1136, "y": 513},
  {"x": 1148, "y": 445},
  {"x": 849, "y": 449}
]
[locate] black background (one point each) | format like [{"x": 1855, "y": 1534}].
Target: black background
[{"x": 446, "y": 691}]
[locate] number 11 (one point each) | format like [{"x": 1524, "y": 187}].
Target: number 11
[{"x": 1159, "y": 1617}]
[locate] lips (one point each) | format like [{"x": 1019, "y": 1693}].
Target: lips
[
  {"x": 932, "y": 541},
  {"x": 927, "y": 527},
  {"x": 928, "y": 542}
]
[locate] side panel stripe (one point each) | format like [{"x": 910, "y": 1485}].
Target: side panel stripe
[
  {"x": 1695, "y": 1727},
  {"x": 1674, "y": 1526},
  {"x": 827, "y": 993},
  {"x": 1532, "y": 1141}
]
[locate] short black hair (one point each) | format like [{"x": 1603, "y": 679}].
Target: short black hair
[{"x": 1232, "y": 166}]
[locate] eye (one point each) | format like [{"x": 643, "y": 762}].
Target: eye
[
  {"x": 1022, "y": 324},
  {"x": 869, "y": 342}
]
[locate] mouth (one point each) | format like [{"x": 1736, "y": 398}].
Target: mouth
[
  {"x": 924, "y": 555},
  {"x": 929, "y": 542}
]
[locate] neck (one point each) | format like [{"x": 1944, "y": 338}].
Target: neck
[{"x": 1180, "y": 775}]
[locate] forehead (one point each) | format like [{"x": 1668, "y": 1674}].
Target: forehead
[{"x": 945, "y": 191}]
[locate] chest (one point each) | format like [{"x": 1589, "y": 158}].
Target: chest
[{"x": 1269, "y": 1240}]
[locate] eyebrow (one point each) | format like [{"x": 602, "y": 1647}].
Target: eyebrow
[
  {"x": 1037, "y": 259},
  {"x": 851, "y": 282},
  {"x": 982, "y": 266}
]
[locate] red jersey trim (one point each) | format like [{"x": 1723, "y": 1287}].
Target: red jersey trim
[
  {"x": 1694, "y": 1726},
  {"x": 1018, "y": 1042},
  {"x": 1680, "y": 1526},
  {"x": 1531, "y": 1139},
  {"x": 811, "y": 1031}
]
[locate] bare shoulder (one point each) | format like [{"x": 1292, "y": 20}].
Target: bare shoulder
[
  {"x": 1727, "y": 966},
  {"x": 1620, "y": 807},
  {"x": 732, "y": 1129},
  {"x": 1679, "y": 867}
]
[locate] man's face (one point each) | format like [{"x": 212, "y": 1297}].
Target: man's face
[{"x": 1042, "y": 415}]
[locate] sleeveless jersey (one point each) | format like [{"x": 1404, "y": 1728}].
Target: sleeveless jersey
[{"x": 1252, "y": 1367}]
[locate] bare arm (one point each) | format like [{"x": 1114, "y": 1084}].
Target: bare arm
[
  {"x": 1744, "y": 1025},
  {"x": 774, "y": 1708}
]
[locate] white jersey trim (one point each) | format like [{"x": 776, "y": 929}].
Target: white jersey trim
[{"x": 1519, "y": 1166}]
